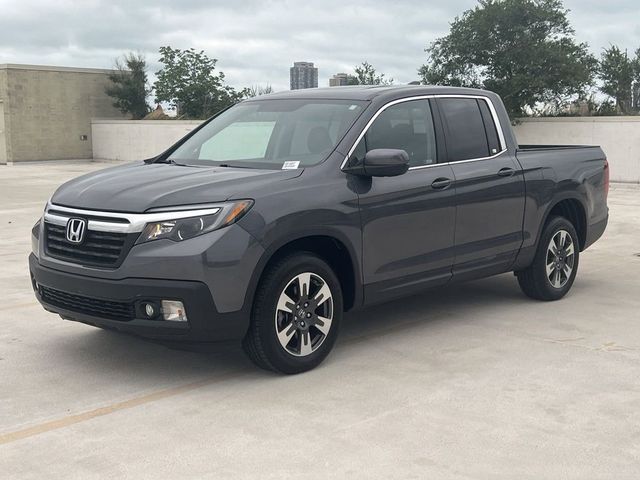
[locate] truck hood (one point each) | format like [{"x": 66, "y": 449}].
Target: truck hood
[{"x": 136, "y": 188}]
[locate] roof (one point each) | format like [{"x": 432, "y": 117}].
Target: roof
[{"x": 368, "y": 92}]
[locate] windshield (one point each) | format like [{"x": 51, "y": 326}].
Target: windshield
[{"x": 271, "y": 134}]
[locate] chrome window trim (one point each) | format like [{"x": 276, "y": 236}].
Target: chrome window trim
[
  {"x": 494, "y": 116},
  {"x": 136, "y": 221},
  {"x": 469, "y": 160}
]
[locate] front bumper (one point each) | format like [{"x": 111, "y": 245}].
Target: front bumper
[{"x": 74, "y": 292}]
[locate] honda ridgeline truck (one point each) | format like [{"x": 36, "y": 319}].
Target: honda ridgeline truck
[{"x": 270, "y": 220}]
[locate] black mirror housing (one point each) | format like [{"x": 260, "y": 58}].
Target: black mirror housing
[
  {"x": 381, "y": 162},
  {"x": 385, "y": 162}
]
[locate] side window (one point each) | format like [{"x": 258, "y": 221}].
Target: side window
[
  {"x": 490, "y": 127},
  {"x": 406, "y": 126},
  {"x": 466, "y": 136}
]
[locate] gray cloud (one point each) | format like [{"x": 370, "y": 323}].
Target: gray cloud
[{"x": 256, "y": 41}]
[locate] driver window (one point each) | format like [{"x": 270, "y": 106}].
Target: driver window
[{"x": 406, "y": 126}]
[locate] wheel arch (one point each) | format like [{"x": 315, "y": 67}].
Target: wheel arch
[
  {"x": 573, "y": 209},
  {"x": 331, "y": 246}
]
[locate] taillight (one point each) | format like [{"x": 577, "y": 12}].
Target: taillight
[{"x": 606, "y": 178}]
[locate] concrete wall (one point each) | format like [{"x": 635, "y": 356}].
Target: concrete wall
[
  {"x": 619, "y": 137},
  {"x": 48, "y": 109},
  {"x": 136, "y": 139},
  {"x": 3, "y": 128}
]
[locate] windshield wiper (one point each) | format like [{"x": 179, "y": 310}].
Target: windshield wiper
[
  {"x": 203, "y": 163},
  {"x": 173, "y": 162},
  {"x": 228, "y": 165}
]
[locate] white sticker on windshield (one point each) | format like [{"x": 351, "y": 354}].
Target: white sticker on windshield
[{"x": 290, "y": 165}]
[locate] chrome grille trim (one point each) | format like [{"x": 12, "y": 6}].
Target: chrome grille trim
[{"x": 120, "y": 222}]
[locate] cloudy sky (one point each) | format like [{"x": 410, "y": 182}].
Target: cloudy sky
[{"x": 257, "y": 41}]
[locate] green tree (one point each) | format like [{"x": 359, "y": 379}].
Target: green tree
[
  {"x": 366, "y": 74},
  {"x": 620, "y": 76},
  {"x": 129, "y": 87},
  {"x": 523, "y": 50},
  {"x": 188, "y": 82},
  {"x": 257, "y": 90}
]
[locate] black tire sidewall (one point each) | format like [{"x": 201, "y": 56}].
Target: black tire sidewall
[{"x": 264, "y": 311}]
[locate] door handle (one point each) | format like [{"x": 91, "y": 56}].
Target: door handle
[
  {"x": 506, "y": 172},
  {"x": 441, "y": 183}
]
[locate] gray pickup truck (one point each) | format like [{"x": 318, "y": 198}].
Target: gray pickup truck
[{"x": 271, "y": 219}]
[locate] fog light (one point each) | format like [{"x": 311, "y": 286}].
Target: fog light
[
  {"x": 173, "y": 311},
  {"x": 150, "y": 310}
]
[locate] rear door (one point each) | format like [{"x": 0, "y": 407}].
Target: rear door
[
  {"x": 407, "y": 221},
  {"x": 489, "y": 187}
]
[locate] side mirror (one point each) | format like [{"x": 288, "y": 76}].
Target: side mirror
[
  {"x": 381, "y": 162},
  {"x": 385, "y": 162}
]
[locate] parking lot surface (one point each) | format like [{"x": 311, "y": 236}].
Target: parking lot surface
[{"x": 471, "y": 381}]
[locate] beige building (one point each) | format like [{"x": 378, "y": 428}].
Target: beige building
[
  {"x": 339, "y": 80},
  {"x": 45, "y": 112}
]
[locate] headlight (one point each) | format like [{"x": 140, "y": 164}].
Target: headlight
[{"x": 184, "y": 227}]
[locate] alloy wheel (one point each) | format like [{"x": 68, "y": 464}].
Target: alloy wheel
[
  {"x": 560, "y": 259},
  {"x": 304, "y": 314}
]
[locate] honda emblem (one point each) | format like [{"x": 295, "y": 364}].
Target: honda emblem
[{"x": 75, "y": 230}]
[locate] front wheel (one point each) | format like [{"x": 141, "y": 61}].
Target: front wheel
[
  {"x": 296, "y": 315},
  {"x": 555, "y": 265}
]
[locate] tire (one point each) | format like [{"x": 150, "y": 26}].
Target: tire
[
  {"x": 551, "y": 276},
  {"x": 286, "y": 336}
]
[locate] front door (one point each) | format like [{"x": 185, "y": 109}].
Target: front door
[{"x": 408, "y": 221}]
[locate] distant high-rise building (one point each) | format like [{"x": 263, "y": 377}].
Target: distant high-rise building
[
  {"x": 339, "y": 80},
  {"x": 303, "y": 75}
]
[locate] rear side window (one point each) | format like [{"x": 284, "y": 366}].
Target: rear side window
[
  {"x": 490, "y": 127},
  {"x": 466, "y": 135}
]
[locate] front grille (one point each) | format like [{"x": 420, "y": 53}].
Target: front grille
[
  {"x": 103, "y": 249},
  {"x": 92, "y": 306}
]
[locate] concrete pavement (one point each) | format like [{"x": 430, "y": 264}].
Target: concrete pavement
[{"x": 473, "y": 381}]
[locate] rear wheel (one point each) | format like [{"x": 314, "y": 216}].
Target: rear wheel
[
  {"x": 555, "y": 265},
  {"x": 296, "y": 315}
]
